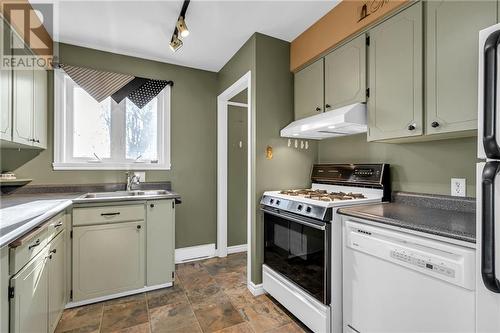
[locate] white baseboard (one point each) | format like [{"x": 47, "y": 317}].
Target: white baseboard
[
  {"x": 118, "y": 295},
  {"x": 237, "y": 248},
  {"x": 193, "y": 253},
  {"x": 256, "y": 289}
]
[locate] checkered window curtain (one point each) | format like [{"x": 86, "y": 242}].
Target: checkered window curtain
[{"x": 101, "y": 84}]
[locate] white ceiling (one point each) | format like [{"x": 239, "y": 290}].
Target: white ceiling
[{"x": 218, "y": 28}]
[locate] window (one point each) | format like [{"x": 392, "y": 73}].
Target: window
[{"x": 108, "y": 136}]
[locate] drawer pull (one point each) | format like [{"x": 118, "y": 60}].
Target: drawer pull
[
  {"x": 139, "y": 226},
  {"x": 110, "y": 214},
  {"x": 34, "y": 245},
  {"x": 53, "y": 251},
  {"x": 58, "y": 225}
]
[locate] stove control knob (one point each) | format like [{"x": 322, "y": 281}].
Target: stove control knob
[
  {"x": 308, "y": 209},
  {"x": 299, "y": 207},
  {"x": 277, "y": 202},
  {"x": 271, "y": 201}
]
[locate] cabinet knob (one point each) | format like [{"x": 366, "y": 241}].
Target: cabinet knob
[
  {"x": 327, "y": 106},
  {"x": 152, "y": 205},
  {"x": 318, "y": 108},
  {"x": 435, "y": 124},
  {"x": 37, "y": 141},
  {"x": 411, "y": 127},
  {"x": 139, "y": 227}
]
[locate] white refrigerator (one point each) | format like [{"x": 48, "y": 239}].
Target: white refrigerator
[{"x": 488, "y": 184}]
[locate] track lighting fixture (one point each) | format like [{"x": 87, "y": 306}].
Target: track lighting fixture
[
  {"x": 175, "y": 43},
  {"x": 181, "y": 29}
]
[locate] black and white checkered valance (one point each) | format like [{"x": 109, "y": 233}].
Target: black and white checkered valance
[{"x": 102, "y": 84}]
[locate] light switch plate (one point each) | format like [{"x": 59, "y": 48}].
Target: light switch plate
[
  {"x": 141, "y": 175},
  {"x": 458, "y": 187}
]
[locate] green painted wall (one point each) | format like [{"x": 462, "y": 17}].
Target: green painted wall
[
  {"x": 272, "y": 109},
  {"x": 193, "y": 134},
  {"x": 237, "y": 175},
  {"x": 424, "y": 167}
]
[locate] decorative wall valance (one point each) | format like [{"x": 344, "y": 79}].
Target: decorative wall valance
[{"x": 102, "y": 84}]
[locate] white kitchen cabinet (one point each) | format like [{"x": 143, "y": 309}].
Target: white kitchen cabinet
[
  {"x": 5, "y": 93},
  {"x": 160, "y": 241},
  {"x": 57, "y": 280},
  {"x": 108, "y": 259},
  {"x": 40, "y": 109},
  {"x": 29, "y": 306}
]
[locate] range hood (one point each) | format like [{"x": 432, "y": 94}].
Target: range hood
[{"x": 347, "y": 120}]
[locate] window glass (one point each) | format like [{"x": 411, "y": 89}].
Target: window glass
[
  {"x": 141, "y": 130},
  {"x": 91, "y": 126}
]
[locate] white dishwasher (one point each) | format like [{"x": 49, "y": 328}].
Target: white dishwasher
[{"x": 397, "y": 282}]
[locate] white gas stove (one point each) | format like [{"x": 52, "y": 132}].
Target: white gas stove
[{"x": 303, "y": 239}]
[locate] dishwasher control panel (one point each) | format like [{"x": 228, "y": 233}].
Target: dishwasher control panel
[{"x": 422, "y": 262}]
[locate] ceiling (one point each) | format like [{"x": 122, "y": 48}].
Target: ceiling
[{"x": 218, "y": 28}]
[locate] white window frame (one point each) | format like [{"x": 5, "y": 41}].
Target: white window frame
[{"x": 63, "y": 140}]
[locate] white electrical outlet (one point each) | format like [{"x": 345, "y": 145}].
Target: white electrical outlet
[
  {"x": 458, "y": 187},
  {"x": 141, "y": 175}
]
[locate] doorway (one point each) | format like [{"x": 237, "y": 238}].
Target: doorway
[{"x": 233, "y": 139}]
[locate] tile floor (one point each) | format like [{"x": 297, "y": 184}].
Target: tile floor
[{"x": 208, "y": 296}]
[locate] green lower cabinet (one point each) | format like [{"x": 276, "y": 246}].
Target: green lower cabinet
[
  {"x": 452, "y": 33},
  {"x": 395, "y": 104},
  {"x": 160, "y": 247},
  {"x": 29, "y": 306},
  {"x": 57, "y": 280},
  {"x": 108, "y": 259}
]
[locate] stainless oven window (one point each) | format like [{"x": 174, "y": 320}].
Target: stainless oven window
[{"x": 299, "y": 252}]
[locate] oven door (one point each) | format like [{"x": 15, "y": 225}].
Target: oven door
[{"x": 299, "y": 248}]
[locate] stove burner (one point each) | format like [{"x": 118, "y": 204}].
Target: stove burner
[{"x": 323, "y": 195}]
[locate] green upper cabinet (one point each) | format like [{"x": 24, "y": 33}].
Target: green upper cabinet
[
  {"x": 5, "y": 92},
  {"x": 345, "y": 74},
  {"x": 452, "y": 31},
  {"x": 40, "y": 109},
  {"x": 395, "y": 107},
  {"x": 309, "y": 90}
]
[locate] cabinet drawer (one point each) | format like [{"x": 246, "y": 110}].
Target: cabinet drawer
[
  {"x": 27, "y": 247},
  {"x": 107, "y": 214},
  {"x": 56, "y": 225}
]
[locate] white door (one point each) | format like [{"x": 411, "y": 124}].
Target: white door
[
  {"x": 487, "y": 283},
  {"x": 108, "y": 259}
]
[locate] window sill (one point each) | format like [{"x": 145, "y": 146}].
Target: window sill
[{"x": 109, "y": 166}]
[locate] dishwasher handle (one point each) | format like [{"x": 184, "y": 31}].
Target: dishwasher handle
[{"x": 491, "y": 169}]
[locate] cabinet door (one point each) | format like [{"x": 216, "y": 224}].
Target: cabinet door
[
  {"x": 57, "y": 279},
  {"x": 395, "y": 76},
  {"x": 345, "y": 74},
  {"x": 309, "y": 90},
  {"x": 28, "y": 308},
  {"x": 5, "y": 93},
  {"x": 452, "y": 31},
  {"x": 120, "y": 249},
  {"x": 160, "y": 242},
  {"x": 40, "y": 109},
  {"x": 23, "y": 107}
]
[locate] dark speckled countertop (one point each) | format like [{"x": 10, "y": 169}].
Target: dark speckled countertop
[{"x": 444, "y": 216}]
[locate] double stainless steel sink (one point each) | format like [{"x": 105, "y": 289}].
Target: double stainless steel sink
[{"x": 125, "y": 195}]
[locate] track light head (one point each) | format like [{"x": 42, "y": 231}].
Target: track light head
[
  {"x": 182, "y": 27},
  {"x": 175, "y": 43}
]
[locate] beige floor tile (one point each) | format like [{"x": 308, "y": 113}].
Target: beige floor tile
[
  {"x": 142, "y": 328},
  {"x": 166, "y": 296},
  {"x": 240, "y": 328},
  {"x": 124, "y": 315},
  {"x": 174, "y": 318},
  {"x": 242, "y": 297},
  {"x": 216, "y": 316},
  {"x": 197, "y": 280},
  {"x": 81, "y": 319},
  {"x": 264, "y": 316}
]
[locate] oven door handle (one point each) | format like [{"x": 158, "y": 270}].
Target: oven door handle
[{"x": 294, "y": 219}]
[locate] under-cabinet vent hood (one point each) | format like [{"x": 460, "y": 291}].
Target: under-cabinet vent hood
[{"x": 347, "y": 120}]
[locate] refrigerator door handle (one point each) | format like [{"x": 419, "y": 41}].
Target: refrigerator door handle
[
  {"x": 491, "y": 169},
  {"x": 490, "y": 144}
]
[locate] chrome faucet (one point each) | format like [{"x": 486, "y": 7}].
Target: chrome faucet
[{"x": 132, "y": 179}]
